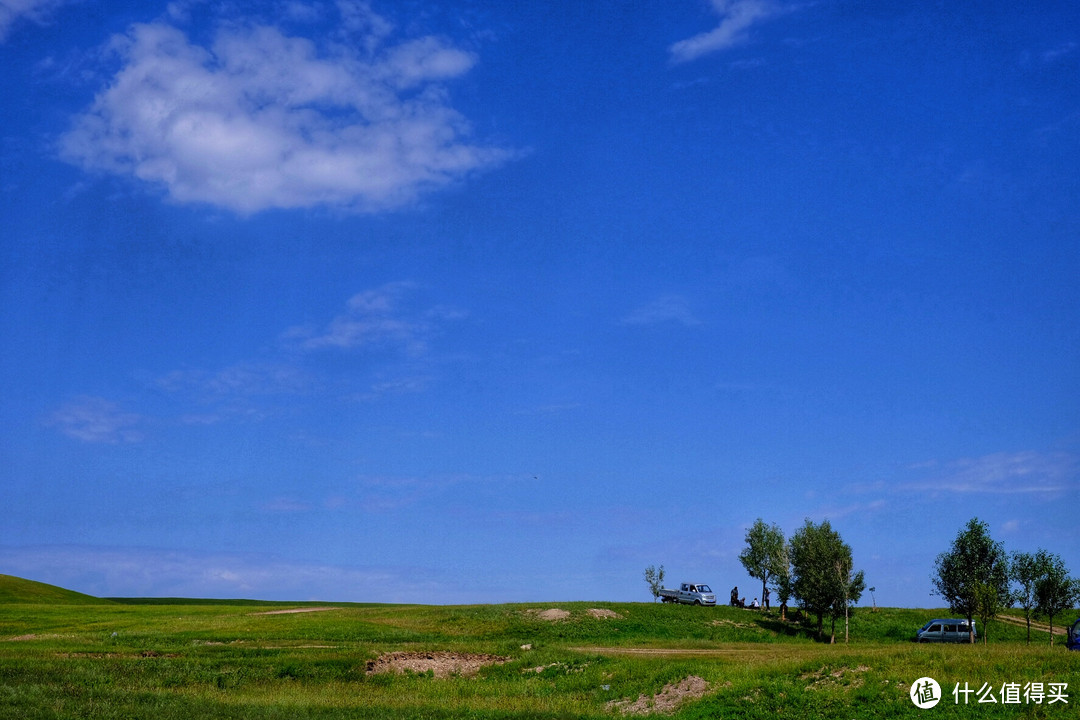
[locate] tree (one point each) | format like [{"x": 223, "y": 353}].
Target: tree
[
  {"x": 1025, "y": 570},
  {"x": 782, "y": 582},
  {"x": 852, "y": 587},
  {"x": 973, "y": 576},
  {"x": 655, "y": 578},
  {"x": 821, "y": 576},
  {"x": 1055, "y": 590},
  {"x": 988, "y": 603},
  {"x": 764, "y": 553}
]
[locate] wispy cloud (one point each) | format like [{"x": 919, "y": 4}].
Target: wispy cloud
[
  {"x": 14, "y": 11},
  {"x": 736, "y": 19},
  {"x": 96, "y": 420},
  {"x": 665, "y": 309},
  {"x": 403, "y": 385},
  {"x": 242, "y": 379},
  {"x": 240, "y": 391},
  {"x": 377, "y": 318},
  {"x": 1027, "y": 472},
  {"x": 130, "y": 572},
  {"x": 260, "y": 118},
  {"x": 1059, "y": 52}
]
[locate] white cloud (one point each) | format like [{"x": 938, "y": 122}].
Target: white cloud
[
  {"x": 130, "y": 572},
  {"x": 262, "y": 119},
  {"x": 246, "y": 379},
  {"x": 736, "y": 18},
  {"x": 1027, "y": 472},
  {"x": 12, "y": 11},
  {"x": 375, "y": 318},
  {"x": 1059, "y": 52},
  {"x": 96, "y": 420},
  {"x": 669, "y": 308}
]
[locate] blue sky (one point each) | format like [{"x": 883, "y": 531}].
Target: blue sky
[{"x": 491, "y": 302}]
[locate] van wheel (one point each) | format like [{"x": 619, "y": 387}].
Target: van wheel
[{"x": 698, "y": 603}]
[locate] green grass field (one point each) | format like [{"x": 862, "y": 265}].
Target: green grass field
[{"x": 68, "y": 656}]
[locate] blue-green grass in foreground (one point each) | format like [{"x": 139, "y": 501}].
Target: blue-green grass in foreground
[{"x": 184, "y": 660}]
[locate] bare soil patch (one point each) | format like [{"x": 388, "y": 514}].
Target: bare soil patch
[
  {"x": 441, "y": 664},
  {"x": 292, "y": 611},
  {"x": 666, "y": 701},
  {"x": 1040, "y": 626},
  {"x": 601, "y": 613},
  {"x": 841, "y": 676},
  {"x": 34, "y": 636},
  {"x": 551, "y": 614}
]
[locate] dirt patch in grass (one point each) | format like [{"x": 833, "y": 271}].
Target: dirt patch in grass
[
  {"x": 551, "y": 614},
  {"x": 35, "y": 636},
  {"x": 666, "y": 701},
  {"x": 293, "y": 611},
  {"x": 441, "y": 664},
  {"x": 732, "y": 623},
  {"x": 601, "y": 613},
  {"x": 1035, "y": 625},
  {"x": 841, "y": 676}
]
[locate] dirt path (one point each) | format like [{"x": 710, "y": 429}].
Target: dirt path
[
  {"x": 291, "y": 611},
  {"x": 1041, "y": 627},
  {"x": 760, "y": 651}
]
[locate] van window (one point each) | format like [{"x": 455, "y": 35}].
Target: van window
[
  {"x": 935, "y": 628},
  {"x": 950, "y": 628}
]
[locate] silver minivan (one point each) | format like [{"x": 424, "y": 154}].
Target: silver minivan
[{"x": 945, "y": 630}]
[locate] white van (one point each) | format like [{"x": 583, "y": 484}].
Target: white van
[{"x": 946, "y": 630}]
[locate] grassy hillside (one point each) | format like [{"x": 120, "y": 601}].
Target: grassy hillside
[
  {"x": 18, "y": 590},
  {"x": 563, "y": 660}
]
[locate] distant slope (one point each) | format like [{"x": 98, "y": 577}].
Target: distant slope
[{"x": 19, "y": 590}]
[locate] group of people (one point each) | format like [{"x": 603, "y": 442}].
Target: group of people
[{"x": 739, "y": 602}]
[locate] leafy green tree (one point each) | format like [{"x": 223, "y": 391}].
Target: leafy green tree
[
  {"x": 1025, "y": 570},
  {"x": 655, "y": 579},
  {"x": 988, "y": 604},
  {"x": 821, "y": 578},
  {"x": 851, "y": 587},
  {"x": 764, "y": 553},
  {"x": 782, "y": 581},
  {"x": 1055, "y": 590},
  {"x": 973, "y": 576}
]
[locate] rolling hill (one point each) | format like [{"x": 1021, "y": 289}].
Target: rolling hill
[{"x": 19, "y": 590}]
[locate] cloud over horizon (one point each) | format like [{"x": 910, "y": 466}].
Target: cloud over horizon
[{"x": 261, "y": 119}]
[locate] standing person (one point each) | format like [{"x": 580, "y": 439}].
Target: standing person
[
  {"x": 735, "y": 596},
  {"x": 765, "y": 601}
]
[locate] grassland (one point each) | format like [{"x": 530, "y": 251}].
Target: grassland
[{"x": 214, "y": 659}]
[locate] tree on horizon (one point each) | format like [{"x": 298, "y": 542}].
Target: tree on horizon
[
  {"x": 764, "y": 556},
  {"x": 821, "y": 573},
  {"x": 973, "y": 575}
]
